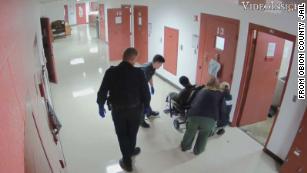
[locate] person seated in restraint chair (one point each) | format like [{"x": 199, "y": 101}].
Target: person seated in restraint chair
[{"x": 182, "y": 97}]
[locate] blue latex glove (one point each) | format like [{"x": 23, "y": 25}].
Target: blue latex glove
[
  {"x": 102, "y": 111},
  {"x": 152, "y": 90}
]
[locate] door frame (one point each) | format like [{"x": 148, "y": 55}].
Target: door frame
[
  {"x": 289, "y": 165},
  {"x": 247, "y": 71},
  {"x": 66, "y": 16},
  {"x": 102, "y": 22}
]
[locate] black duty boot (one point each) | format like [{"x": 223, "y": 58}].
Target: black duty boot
[
  {"x": 144, "y": 124},
  {"x": 153, "y": 114},
  {"x": 220, "y": 132},
  {"x": 125, "y": 166}
]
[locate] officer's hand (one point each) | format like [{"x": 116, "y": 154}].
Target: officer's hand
[
  {"x": 152, "y": 90},
  {"x": 102, "y": 111}
]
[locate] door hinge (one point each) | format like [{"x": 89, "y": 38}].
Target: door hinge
[
  {"x": 254, "y": 34},
  {"x": 300, "y": 130},
  {"x": 63, "y": 165}
]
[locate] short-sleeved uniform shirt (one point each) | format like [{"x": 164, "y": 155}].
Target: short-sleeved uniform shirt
[{"x": 149, "y": 71}]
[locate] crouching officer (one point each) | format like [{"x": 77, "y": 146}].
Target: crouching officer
[
  {"x": 149, "y": 70},
  {"x": 128, "y": 94}
]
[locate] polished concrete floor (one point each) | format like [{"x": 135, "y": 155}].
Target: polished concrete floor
[{"x": 90, "y": 144}]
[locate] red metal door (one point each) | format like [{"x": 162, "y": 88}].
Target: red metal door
[
  {"x": 141, "y": 32},
  {"x": 118, "y": 32},
  {"x": 81, "y": 13},
  {"x": 94, "y": 6},
  {"x": 171, "y": 38},
  {"x": 211, "y": 28},
  {"x": 297, "y": 157},
  {"x": 263, "y": 78},
  {"x": 102, "y": 23},
  {"x": 66, "y": 13}
]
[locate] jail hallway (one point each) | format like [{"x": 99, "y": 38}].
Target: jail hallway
[{"x": 90, "y": 143}]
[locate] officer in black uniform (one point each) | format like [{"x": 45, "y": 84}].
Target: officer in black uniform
[
  {"x": 149, "y": 70},
  {"x": 126, "y": 89}
]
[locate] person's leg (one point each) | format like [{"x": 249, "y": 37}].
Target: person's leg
[
  {"x": 173, "y": 96},
  {"x": 191, "y": 129},
  {"x": 205, "y": 128},
  {"x": 144, "y": 124},
  {"x": 121, "y": 128},
  {"x": 213, "y": 131},
  {"x": 134, "y": 117},
  {"x": 151, "y": 112}
]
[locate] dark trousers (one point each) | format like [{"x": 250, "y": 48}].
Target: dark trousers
[
  {"x": 149, "y": 93},
  {"x": 126, "y": 122},
  {"x": 150, "y": 110},
  {"x": 204, "y": 126}
]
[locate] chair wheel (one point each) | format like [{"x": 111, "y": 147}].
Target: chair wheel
[{"x": 176, "y": 124}]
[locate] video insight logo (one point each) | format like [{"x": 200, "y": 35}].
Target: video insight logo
[{"x": 269, "y": 5}]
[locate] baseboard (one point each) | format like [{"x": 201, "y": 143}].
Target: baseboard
[
  {"x": 168, "y": 81},
  {"x": 274, "y": 156}
]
